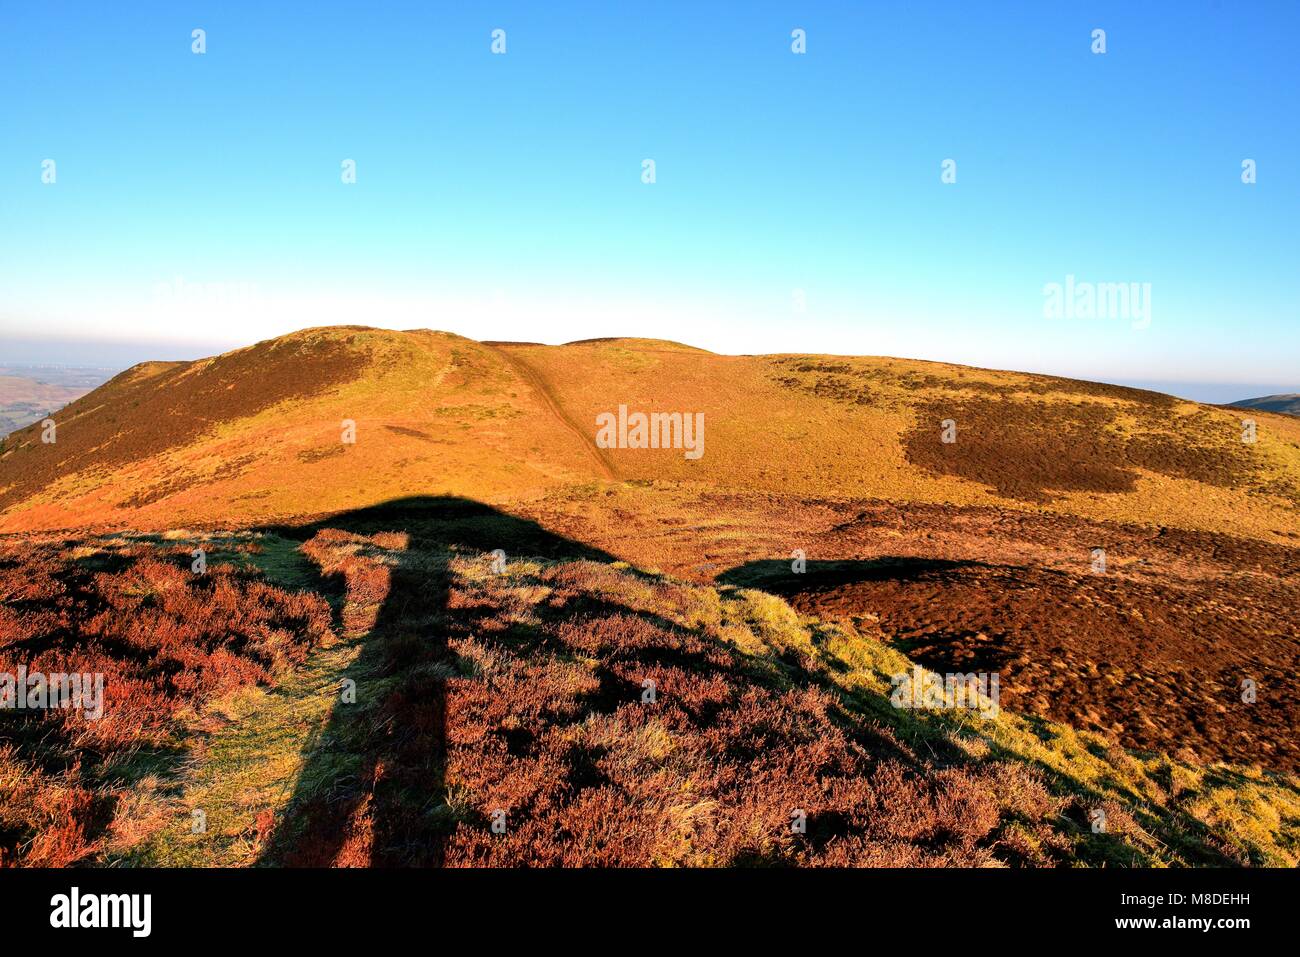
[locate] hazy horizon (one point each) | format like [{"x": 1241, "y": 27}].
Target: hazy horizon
[{"x": 122, "y": 354}]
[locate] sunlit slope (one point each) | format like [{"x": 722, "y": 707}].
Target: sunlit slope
[
  {"x": 839, "y": 427},
  {"x": 259, "y": 434}
]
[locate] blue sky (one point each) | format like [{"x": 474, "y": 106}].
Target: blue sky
[{"x": 199, "y": 203}]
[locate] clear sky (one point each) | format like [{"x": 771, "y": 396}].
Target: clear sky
[{"x": 798, "y": 202}]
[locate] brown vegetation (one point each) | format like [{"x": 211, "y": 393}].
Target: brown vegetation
[
  {"x": 1033, "y": 449},
  {"x": 533, "y": 712},
  {"x": 519, "y": 695},
  {"x": 163, "y": 638},
  {"x": 1160, "y": 666}
]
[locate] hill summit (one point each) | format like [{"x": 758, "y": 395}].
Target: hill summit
[{"x": 329, "y": 419}]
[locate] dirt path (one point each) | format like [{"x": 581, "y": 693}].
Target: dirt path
[{"x": 534, "y": 379}]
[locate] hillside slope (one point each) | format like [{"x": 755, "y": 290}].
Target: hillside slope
[
  {"x": 257, "y": 435},
  {"x": 500, "y": 586},
  {"x": 518, "y": 694}
]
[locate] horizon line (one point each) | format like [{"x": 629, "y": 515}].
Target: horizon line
[{"x": 198, "y": 350}]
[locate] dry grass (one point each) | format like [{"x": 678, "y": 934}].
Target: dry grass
[
  {"x": 164, "y": 639},
  {"x": 539, "y": 717},
  {"x": 524, "y": 693},
  {"x": 439, "y": 414}
]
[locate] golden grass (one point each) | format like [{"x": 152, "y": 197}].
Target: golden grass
[{"x": 439, "y": 414}]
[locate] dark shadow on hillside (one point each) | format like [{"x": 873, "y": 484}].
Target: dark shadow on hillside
[
  {"x": 383, "y": 757},
  {"x": 778, "y": 576},
  {"x": 827, "y": 589}
]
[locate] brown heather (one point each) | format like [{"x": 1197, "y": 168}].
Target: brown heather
[
  {"x": 164, "y": 638},
  {"x": 533, "y": 706}
]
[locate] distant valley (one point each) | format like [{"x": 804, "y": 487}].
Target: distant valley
[{"x": 28, "y": 393}]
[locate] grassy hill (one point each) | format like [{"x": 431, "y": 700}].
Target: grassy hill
[
  {"x": 256, "y": 435},
  {"x": 474, "y": 614}
]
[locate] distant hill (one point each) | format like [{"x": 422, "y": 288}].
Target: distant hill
[
  {"x": 1287, "y": 403},
  {"x": 259, "y": 435}
]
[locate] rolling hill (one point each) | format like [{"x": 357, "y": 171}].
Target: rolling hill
[
  {"x": 563, "y": 650},
  {"x": 256, "y": 435}
]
